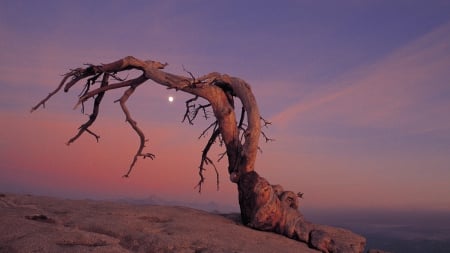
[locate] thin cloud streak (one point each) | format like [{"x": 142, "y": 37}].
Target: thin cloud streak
[
  {"x": 383, "y": 123},
  {"x": 384, "y": 94}
]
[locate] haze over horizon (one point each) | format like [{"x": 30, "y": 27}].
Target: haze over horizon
[{"x": 358, "y": 93}]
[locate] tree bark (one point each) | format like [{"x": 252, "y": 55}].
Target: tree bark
[{"x": 263, "y": 206}]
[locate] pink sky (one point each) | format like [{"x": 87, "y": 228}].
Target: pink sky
[{"x": 358, "y": 93}]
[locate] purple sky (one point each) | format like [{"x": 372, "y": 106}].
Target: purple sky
[{"x": 358, "y": 93}]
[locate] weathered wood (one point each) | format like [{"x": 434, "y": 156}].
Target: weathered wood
[{"x": 263, "y": 206}]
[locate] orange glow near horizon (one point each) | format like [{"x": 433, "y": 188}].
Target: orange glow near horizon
[
  {"x": 42, "y": 160},
  {"x": 358, "y": 98}
]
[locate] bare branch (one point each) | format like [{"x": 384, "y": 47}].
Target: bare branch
[
  {"x": 221, "y": 156},
  {"x": 188, "y": 110},
  {"x": 132, "y": 82},
  {"x": 192, "y": 76},
  {"x": 51, "y": 94},
  {"x": 266, "y": 123},
  {"x": 133, "y": 124},
  {"x": 215, "y": 124},
  {"x": 217, "y": 89},
  {"x": 117, "y": 78},
  {"x": 267, "y": 139},
  {"x": 241, "y": 120},
  {"x": 203, "y": 108},
  {"x": 80, "y": 73},
  {"x": 206, "y": 160},
  {"x": 89, "y": 83},
  {"x": 95, "y": 111}
]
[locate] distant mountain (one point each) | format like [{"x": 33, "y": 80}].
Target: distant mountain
[{"x": 156, "y": 200}]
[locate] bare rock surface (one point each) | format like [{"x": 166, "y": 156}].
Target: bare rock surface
[
  {"x": 43, "y": 224},
  {"x": 333, "y": 239}
]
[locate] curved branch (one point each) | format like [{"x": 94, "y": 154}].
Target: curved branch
[
  {"x": 217, "y": 89},
  {"x": 132, "y": 82},
  {"x": 93, "y": 116},
  {"x": 51, "y": 94},
  {"x": 248, "y": 151},
  {"x": 133, "y": 124},
  {"x": 80, "y": 73},
  {"x": 205, "y": 160},
  {"x": 187, "y": 113}
]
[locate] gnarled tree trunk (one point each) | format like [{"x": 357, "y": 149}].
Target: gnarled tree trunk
[{"x": 263, "y": 206}]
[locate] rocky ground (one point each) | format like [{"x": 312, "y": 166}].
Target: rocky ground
[{"x": 43, "y": 224}]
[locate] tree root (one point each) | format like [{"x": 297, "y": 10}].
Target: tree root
[{"x": 269, "y": 208}]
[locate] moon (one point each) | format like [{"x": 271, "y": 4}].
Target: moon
[{"x": 170, "y": 98}]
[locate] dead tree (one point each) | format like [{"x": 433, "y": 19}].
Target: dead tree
[{"x": 263, "y": 206}]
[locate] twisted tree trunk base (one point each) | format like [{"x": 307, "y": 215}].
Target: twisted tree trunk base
[{"x": 269, "y": 208}]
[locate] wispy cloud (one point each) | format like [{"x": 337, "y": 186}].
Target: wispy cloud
[{"x": 399, "y": 90}]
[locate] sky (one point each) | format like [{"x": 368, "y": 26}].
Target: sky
[{"x": 358, "y": 93}]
